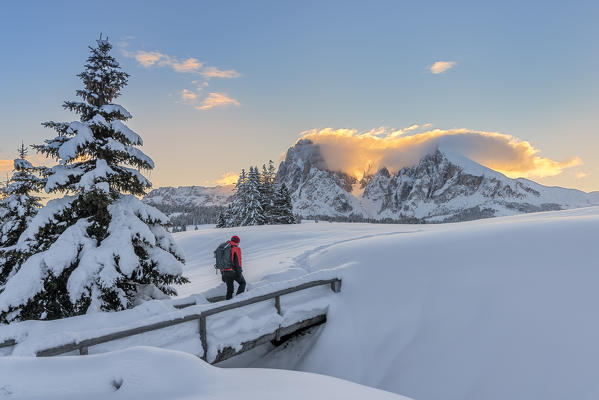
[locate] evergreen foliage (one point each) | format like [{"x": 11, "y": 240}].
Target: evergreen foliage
[
  {"x": 221, "y": 222},
  {"x": 254, "y": 213},
  {"x": 283, "y": 207},
  {"x": 97, "y": 247},
  {"x": 236, "y": 213},
  {"x": 17, "y": 207},
  {"x": 267, "y": 191},
  {"x": 258, "y": 200}
]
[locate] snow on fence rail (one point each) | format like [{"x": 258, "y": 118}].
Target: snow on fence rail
[{"x": 83, "y": 345}]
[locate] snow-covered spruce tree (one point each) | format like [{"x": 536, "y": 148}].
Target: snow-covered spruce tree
[
  {"x": 221, "y": 222},
  {"x": 235, "y": 213},
  {"x": 17, "y": 207},
  {"x": 267, "y": 192},
  {"x": 98, "y": 247},
  {"x": 246, "y": 205},
  {"x": 283, "y": 207},
  {"x": 254, "y": 214}
]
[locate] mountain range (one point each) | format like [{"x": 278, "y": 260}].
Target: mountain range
[{"x": 441, "y": 187}]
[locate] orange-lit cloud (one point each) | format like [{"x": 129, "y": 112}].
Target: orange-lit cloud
[
  {"x": 580, "y": 175},
  {"x": 351, "y": 151},
  {"x": 187, "y": 65},
  {"x": 217, "y": 100},
  {"x": 441, "y": 66},
  {"x": 228, "y": 178},
  {"x": 213, "y": 72},
  {"x": 149, "y": 58},
  {"x": 188, "y": 95}
]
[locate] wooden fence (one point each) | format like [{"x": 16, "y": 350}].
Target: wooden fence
[{"x": 84, "y": 345}]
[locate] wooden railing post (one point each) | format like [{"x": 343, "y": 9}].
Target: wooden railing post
[
  {"x": 203, "y": 336},
  {"x": 278, "y": 304},
  {"x": 83, "y": 350},
  {"x": 336, "y": 285}
]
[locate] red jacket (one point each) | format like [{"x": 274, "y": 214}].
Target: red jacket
[{"x": 235, "y": 256}]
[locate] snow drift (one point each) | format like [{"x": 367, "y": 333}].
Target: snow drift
[
  {"x": 495, "y": 309},
  {"x": 149, "y": 373}
]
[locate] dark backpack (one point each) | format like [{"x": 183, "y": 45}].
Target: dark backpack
[{"x": 222, "y": 256}]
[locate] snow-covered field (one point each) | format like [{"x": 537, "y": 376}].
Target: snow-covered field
[
  {"x": 502, "y": 308},
  {"x": 148, "y": 373}
]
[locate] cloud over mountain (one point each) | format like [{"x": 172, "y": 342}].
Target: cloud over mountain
[{"x": 350, "y": 151}]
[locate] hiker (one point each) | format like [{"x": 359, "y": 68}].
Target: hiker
[{"x": 228, "y": 260}]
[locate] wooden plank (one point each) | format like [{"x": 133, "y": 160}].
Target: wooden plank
[
  {"x": 335, "y": 287},
  {"x": 8, "y": 343},
  {"x": 66, "y": 348},
  {"x": 184, "y": 305},
  {"x": 267, "y": 296},
  {"x": 288, "y": 330},
  {"x": 229, "y": 352},
  {"x": 281, "y": 333}
]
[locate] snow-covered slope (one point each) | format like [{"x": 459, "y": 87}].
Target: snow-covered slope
[
  {"x": 442, "y": 187},
  {"x": 492, "y": 309},
  {"x": 145, "y": 373},
  {"x": 190, "y": 196}
]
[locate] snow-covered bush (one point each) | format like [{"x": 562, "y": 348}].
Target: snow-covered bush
[{"x": 96, "y": 247}]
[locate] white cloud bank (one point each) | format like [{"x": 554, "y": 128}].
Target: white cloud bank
[{"x": 352, "y": 152}]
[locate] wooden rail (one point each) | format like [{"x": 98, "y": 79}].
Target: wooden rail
[
  {"x": 8, "y": 343},
  {"x": 84, "y": 345}
]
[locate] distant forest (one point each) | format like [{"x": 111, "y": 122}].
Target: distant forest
[{"x": 183, "y": 216}]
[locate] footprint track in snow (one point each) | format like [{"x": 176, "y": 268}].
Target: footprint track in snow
[{"x": 303, "y": 260}]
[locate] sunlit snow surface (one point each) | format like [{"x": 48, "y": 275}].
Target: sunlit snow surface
[{"x": 504, "y": 308}]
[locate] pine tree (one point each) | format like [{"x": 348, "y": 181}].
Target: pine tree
[
  {"x": 221, "y": 222},
  {"x": 236, "y": 213},
  {"x": 283, "y": 207},
  {"x": 95, "y": 248},
  {"x": 17, "y": 207},
  {"x": 246, "y": 204},
  {"x": 267, "y": 192},
  {"x": 254, "y": 214}
]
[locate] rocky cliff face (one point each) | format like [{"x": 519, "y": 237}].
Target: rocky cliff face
[
  {"x": 316, "y": 190},
  {"x": 442, "y": 187}
]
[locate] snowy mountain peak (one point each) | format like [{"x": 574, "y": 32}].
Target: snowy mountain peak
[{"x": 441, "y": 187}]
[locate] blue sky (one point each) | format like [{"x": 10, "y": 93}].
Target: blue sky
[{"x": 525, "y": 69}]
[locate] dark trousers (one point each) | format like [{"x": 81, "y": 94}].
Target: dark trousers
[{"x": 230, "y": 277}]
